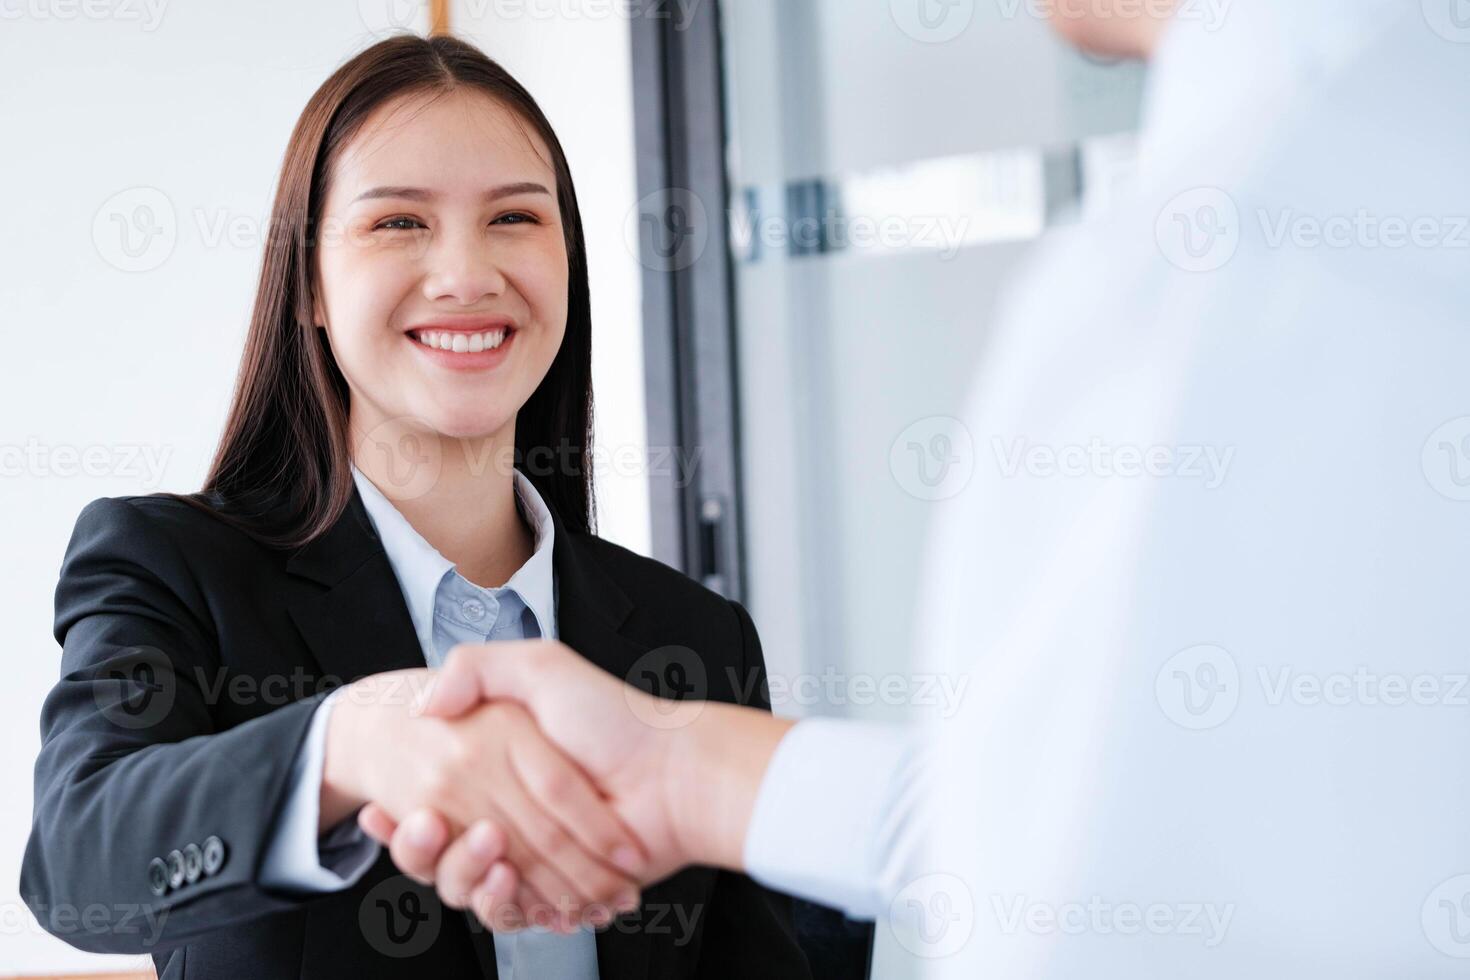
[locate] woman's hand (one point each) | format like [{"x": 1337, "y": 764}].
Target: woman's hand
[{"x": 491, "y": 772}]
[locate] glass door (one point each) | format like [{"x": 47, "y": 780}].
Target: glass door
[{"x": 887, "y": 164}]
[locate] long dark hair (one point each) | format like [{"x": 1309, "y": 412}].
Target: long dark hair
[{"x": 285, "y": 450}]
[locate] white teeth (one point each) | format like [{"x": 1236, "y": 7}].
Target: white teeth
[{"x": 462, "y": 343}]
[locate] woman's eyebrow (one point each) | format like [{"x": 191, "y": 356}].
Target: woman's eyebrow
[{"x": 424, "y": 194}]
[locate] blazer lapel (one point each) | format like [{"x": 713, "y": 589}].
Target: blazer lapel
[{"x": 354, "y": 620}]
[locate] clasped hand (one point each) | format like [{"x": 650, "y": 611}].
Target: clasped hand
[{"x": 470, "y": 792}]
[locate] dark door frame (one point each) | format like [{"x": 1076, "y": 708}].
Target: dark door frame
[{"x": 688, "y": 298}]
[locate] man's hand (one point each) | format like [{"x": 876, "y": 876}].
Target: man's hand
[
  {"x": 682, "y": 775},
  {"x": 499, "y": 788}
]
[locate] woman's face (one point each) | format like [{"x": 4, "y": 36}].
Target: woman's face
[{"x": 441, "y": 230}]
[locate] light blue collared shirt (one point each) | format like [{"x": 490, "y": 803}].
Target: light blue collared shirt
[{"x": 446, "y": 609}]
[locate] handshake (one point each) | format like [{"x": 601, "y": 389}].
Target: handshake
[{"x": 535, "y": 789}]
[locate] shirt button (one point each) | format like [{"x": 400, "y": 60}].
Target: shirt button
[{"x": 473, "y": 609}]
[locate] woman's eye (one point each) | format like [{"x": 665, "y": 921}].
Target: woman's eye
[
  {"x": 400, "y": 223},
  {"x": 515, "y": 218}
]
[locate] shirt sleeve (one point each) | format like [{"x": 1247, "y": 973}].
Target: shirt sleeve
[
  {"x": 297, "y": 857},
  {"x": 836, "y": 819}
]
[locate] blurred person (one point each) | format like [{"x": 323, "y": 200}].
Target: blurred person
[{"x": 1217, "y": 667}]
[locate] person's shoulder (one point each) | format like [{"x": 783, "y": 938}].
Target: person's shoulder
[
  {"x": 202, "y": 527},
  {"x": 633, "y": 571},
  {"x": 653, "y": 587}
]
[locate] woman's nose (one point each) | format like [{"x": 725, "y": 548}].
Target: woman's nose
[{"x": 465, "y": 271}]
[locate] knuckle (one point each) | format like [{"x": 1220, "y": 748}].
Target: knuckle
[
  {"x": 556, "y": 785},
  {"x": 552, "y": 841},
  {"x": 459, "y": 752},
  {"x": 440, "y": 778},
  {"x": 607, "y": 838}
]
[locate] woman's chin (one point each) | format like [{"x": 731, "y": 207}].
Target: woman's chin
[{"x": 472, "y": 423}]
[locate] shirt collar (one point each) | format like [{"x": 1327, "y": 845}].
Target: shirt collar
[
  {"x": 1198, "y": 89},
  {"x": 420, "y": 568}
]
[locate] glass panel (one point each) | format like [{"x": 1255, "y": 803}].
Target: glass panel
[{"x": 889, "y": 162}]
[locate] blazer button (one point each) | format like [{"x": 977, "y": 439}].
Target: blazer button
[
  {"x": 175, "y": 869},
  {"x": 214, "y": 854},
  {"x": 193, "y": 863},
  {"x": 157, "y": 876}
]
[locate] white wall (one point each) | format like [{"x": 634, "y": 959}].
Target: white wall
[{"x": 187, "y": 107}]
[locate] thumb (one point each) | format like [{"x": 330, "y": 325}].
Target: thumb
[{"x": 474, "y": 673}]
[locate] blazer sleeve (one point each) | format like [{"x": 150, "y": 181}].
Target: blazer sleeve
[
  {"x": 750, "y": 930},
  {"x": 149, "y": 825}
]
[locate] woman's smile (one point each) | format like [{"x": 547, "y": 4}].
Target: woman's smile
[{"x": 480, "y": 345}]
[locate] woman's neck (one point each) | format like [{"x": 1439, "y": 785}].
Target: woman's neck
[{"x": 459, "y": 495}]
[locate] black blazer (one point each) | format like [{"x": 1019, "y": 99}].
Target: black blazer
[{"x": 192, "y": 660}]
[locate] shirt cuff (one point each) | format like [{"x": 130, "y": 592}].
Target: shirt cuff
[
  {"x": 296, "y": 856},
  {"x": 830, "y": 808}
]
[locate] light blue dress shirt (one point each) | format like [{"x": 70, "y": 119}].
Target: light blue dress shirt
[{"x": 446, "y": 609}]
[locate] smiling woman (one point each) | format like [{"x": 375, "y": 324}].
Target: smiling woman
[{"x": 419, "y": 350}]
